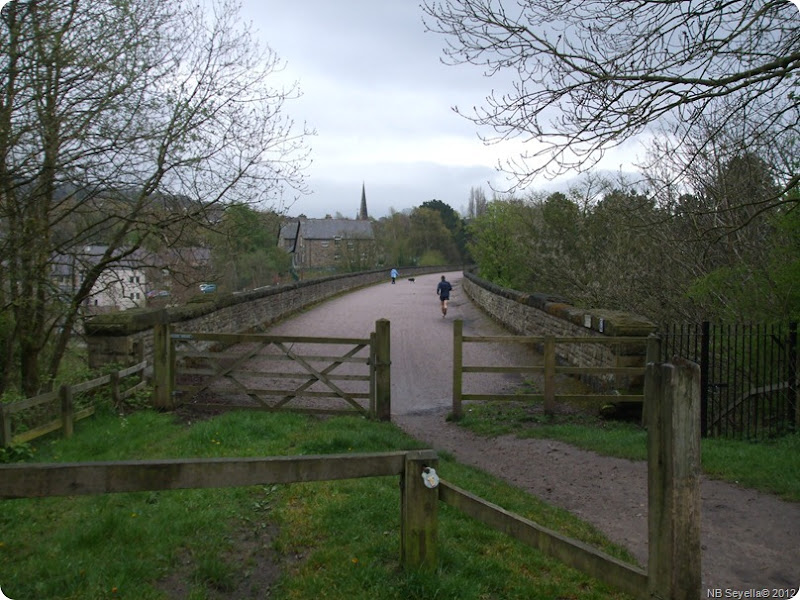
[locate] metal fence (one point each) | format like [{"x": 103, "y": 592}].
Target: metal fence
[{"x": 748, "y": 376}]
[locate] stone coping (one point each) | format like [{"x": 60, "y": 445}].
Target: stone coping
[
  {"x": 608, "y": 322},
  {"x": 135, "y": 320}
]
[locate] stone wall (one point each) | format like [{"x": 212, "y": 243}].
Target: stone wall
[
  {"x": 321, "y": 254},
  {"x": 543, "y": 314},
  {"x": 127, "y": 337}
]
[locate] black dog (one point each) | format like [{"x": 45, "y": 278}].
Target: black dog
[{"x": 411, "y": 279}]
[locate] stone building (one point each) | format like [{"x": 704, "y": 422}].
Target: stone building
[{"x": 331, "y": 244}]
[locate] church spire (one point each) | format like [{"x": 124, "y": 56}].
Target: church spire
[{"x": 362, "y": 213}]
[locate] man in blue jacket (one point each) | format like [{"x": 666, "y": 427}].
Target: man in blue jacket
[{"x": 443, "y": 291}]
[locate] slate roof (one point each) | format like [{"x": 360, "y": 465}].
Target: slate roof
[{"x": 328, "y": 229}]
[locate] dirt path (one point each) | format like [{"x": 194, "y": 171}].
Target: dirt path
[{"x": 751, "y": 541}]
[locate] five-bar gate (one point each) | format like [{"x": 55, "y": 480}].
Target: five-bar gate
[{"x": 269, "y": 372}]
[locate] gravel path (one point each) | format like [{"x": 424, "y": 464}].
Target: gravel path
[{"x": 751, "y": 541}]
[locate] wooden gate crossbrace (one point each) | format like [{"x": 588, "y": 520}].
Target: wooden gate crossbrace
[
  {"x": 230, "y": 366},
  {"x": 321, "y": 375}
]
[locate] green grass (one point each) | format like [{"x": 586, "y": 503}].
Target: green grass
[
  {"x": 771, "y": 466},
  {"x": 330, "y": 539}
]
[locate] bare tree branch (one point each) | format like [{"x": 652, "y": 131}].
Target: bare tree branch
[
  {"x": 123, "y": 122},
  {"x": 592, "y": 74}
]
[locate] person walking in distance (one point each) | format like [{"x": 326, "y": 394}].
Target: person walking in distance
[
  {"x": 443, "y": 291},
  {"x": 393, "y": 275}
]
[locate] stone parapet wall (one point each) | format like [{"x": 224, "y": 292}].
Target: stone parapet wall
[
  {"x": 127, "y": 337},
  {"x": 548, "y": 315}
]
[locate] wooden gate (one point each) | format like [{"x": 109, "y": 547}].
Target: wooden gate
[
  {"x": 267, "y": 372},
  {"x": 549, "y": 369}
]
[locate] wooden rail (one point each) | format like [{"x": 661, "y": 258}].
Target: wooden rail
[
  {"x": 572, "y": 553},
  {"x": 65, "y": 396},
  {"x": 238, "y": 370},
  {"x": 418, "y": 503},
  {"x": 90, "y": 478},
  {"x": 550, "y": 369},
  {"x": 673, "y": 468},
  {"x": 673, "y": 569}
]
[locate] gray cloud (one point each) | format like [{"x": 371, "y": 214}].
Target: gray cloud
[{"x": 381, "y": 101}]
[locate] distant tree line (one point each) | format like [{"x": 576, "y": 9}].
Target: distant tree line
[
  {"x": 430, "y": 234},
  {"x": 710, "y": 230},
  {"x": 712, "y": 253}
]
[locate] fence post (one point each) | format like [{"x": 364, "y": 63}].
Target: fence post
[
  {"x": 549, "y": 375},
  {"x": 794, "y": 367},
  {"x": 673, "y": 480},
  {"x": 705, "y": 364},
  {"x": 458, "y": 362},
  {"x": 67, "y": 410},
  {"x": 372, "y": 404},
  {"x": 652, "y": 356},
  {"x": 163, "y": 375},
  {"x": 5, "y": 427},
  {"x": 419, "y": 506},
  {"x": 115, "y": 395},
  {"x": 383, "y": 370}
]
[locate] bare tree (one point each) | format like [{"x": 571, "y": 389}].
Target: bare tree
[
  {"x": 477, "y": 202},
  {"x": 591, "y": 74},
  {"x": 124, "y": 121}
]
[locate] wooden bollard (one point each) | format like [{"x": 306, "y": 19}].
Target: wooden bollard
[
  {"x": 419, "y": 509},
  {"x": 673, "y": 424}
]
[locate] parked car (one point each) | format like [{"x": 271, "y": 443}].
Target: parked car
[
  {"x": 157, "y": 294},
  {"x": 208, "y": 288}
]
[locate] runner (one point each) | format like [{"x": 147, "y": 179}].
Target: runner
[{"x": 443, "y": 291}]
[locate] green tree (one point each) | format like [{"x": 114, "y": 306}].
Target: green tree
[
  {"x": 429, "y": 232},
  {"x": 498, "y": 242},
  {"x": 449, "y": 216},
  {"x": 124, "y": 120},
  {"x": 455, "y": 225},
  {"x": 393, "y": 238},
  {"x": 760, "y": 280},
  {"x": 477, "y": 202},
  {"x": 245, "y": 251}
]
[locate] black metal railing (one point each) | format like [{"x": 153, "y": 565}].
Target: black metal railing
[{"x": 748, "y": 376}]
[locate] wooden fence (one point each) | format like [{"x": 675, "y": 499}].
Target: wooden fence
[
  {"x": 549, "y": 369},
  {"x": 418, "y": 503},
  {"x": 304, "y": 380},
  {"x": 64, "y": 396},
  {"x": 673, "y": 570},
  {"x": 674, "y": 551}
]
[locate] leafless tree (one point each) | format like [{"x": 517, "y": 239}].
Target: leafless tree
[
  {"x": 477, "y": 202},
  {"x": 592, "y": 74},
  {"x": 125, "y": 121}
]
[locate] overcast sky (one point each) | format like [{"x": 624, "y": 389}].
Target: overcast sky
[{"x": 380, "y": 99}]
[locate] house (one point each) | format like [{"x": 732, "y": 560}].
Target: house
[
  {"x": 334, "y": 244},
  {"x": 331, "y": 244},
  {"x": 121, "y": 286},
  {"x": 174, "y": 274},
  {"x": 130, "y": 281}
]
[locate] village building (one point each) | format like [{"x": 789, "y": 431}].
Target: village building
[{"x": 330, "y": 243}]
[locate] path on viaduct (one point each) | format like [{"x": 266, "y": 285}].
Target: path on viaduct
[
  {"x": 421, "y": 339},
  {"x": 750, "y": 539}
]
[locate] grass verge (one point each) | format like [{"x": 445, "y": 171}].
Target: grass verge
[
  {"x": 771, "y": 466},
  {"x": 316, "y": 540}
]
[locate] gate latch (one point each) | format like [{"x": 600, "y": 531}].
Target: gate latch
[{"x": 429, "y": 477}]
